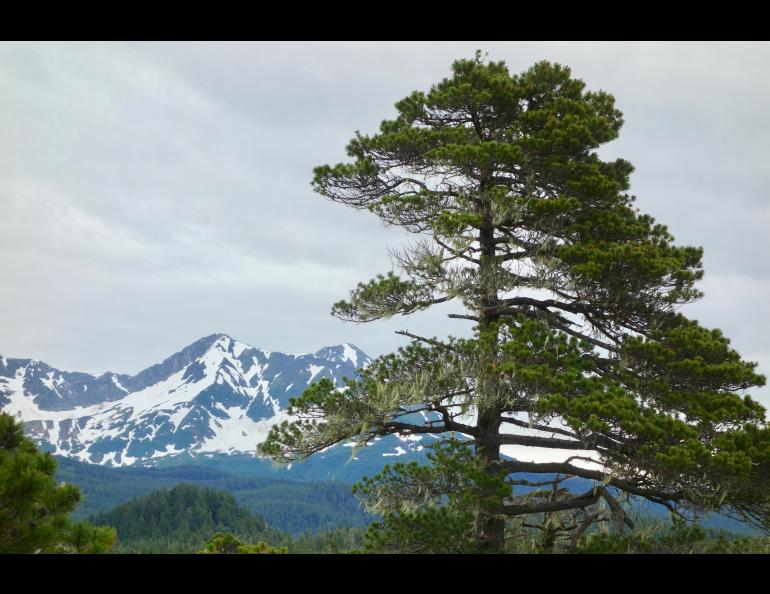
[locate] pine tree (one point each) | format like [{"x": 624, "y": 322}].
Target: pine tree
[
  {"x": 573, "y": 294},
  {"x": 34, "y": 510},
  {"x": 223, "y": 543}
]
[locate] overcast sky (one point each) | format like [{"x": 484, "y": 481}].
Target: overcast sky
[{"x": 151, "y": 194}]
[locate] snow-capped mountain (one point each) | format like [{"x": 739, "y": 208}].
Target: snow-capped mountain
[{"x": 217, "y": 395}]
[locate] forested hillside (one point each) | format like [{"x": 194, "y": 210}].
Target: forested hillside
[
  {"x": 289, "y": 505},
  {"x": 185, "y": 515},
  {"x": 184, "y": 518}
]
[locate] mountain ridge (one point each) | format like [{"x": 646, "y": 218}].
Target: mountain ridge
[{"x": 216, "y": 394}]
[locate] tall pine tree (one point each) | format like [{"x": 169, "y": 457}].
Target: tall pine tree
[{"x": 573, "y": 296}]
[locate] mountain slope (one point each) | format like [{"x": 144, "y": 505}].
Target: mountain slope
[{"x": 217, "y": 395}]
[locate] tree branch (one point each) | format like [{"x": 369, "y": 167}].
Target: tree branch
[{"x": 655, "y": 495}]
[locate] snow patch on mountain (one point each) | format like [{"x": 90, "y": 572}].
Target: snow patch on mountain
[
  {"x": 314, "y": 371},
  {"x": 349, "y": 354},
  {"x": 399, "y": 452},
  {"x": 117, "y": 383}
]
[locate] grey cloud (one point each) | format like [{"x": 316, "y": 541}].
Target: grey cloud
[{"x": 154, "y": 193}]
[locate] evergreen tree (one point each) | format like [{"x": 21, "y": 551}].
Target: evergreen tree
[
  {"x": 428, "y": 508},
  {"x": 223, "y": 543},
  {"x": 34, "y": 510},
  {"x": 573, "y": 295}
]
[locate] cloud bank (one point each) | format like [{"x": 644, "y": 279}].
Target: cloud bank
[{"x": 151, "y": 194}]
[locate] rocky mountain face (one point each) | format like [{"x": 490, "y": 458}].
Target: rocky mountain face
[{"x": 216, "y": 396}]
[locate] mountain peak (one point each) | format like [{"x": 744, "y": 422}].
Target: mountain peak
[
  {"x": 214, "y": 395},
  {"x": 343, "y": 352},
  {"x": 211, "y": 339}
]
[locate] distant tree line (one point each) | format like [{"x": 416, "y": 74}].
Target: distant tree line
[{"x": 289, "y": 505}]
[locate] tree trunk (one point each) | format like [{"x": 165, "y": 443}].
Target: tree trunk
[{"x": 491, "y": 522}]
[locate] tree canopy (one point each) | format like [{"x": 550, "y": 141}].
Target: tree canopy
[
  {"x": 184, "y": 513},
  {"x": 574, "y": 294},
  {"x": 223, "y": 543},
  {"x": 34, "y": 509}
]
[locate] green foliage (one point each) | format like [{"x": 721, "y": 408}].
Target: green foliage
[
  {"x": 337, "y": 541},
  {"x": 184, "y": 514},
  {"x": 676, "y": 539},
  {"x": 431, "y": 530},
  {"x": 429, "y": 508},
  {"x": 290, "y": 505},
  {"x": 384, "y": 296},
  {"x": 332, "y": 541},
  {"x": 83, "y": 538},
  {"x": 34, "y": 510},
  {"x": 227, "y": 544}
]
